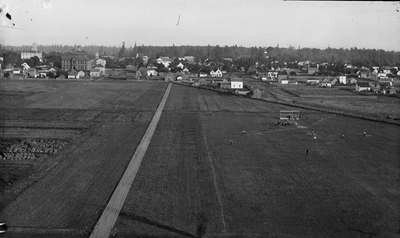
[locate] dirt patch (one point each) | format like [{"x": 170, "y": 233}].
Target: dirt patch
[
  {"x": 10, "y": 172},
  {"x": 20, "y": 149},
  {"x": 18, "y": 156}
]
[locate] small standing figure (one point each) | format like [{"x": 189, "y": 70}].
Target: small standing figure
[
  {"x": 201, "y": 226},
  {"x": 307, "y": 152},
  {"x": 365, "y": 132}
]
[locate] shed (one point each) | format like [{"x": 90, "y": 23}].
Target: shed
[
  {"x": 363, "y": 86},
  {"x": 236, "y": 84},
  {"x": 289, "y": 115}
]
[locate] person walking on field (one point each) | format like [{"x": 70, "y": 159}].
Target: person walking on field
[{"x": 307, "y": 152}]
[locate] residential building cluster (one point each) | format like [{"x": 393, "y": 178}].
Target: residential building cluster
[{"x": 78, "y": 64}]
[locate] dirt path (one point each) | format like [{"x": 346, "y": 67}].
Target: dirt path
[{"x": 111, "y": 212}]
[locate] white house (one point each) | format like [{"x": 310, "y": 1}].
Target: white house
[
  {"x": 25, "y": 66},
  {"x": 216, "y": 74},
  {"x": 101, "y": 62},
  {"x": 326, "y": 85},
  {"x": 382, "y": 76},
  {"x": 387, "y": 70},
  {"x": 95, "y": 73},
  {"x": 236, "y": 84},
  {"x": 166, "y": 61},
  {"x": 16, "y": 71},
  {"x": 71, "y": 76},
  {"x": 180, "y": 65},
  {"x": 202, "y": 75},
  {"x": 272, "y": 75},
  {"x": 342, "y": 80},
  {"x": 152, "y": 72}
]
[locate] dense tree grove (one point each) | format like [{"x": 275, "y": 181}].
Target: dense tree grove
[{"x": 246, "y": 55}]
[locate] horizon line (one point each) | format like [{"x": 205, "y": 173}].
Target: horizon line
[{"x": 197, "y": 45}]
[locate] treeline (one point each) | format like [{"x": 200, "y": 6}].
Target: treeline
[{"x": 355, "y": 56}]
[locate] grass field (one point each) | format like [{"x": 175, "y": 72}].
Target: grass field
[
  {"x": 333, "y": 98},
  {"x": 216, "y": 162},
  {"x": 222, "y": 157}
]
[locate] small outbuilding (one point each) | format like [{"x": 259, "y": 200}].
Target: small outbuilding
[
  {"x": 236, "y": 84},
  {"x": 363, "y": 87},
  {"x": 289, "y": 115}
]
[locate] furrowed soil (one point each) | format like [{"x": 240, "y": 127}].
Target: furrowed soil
[{"x": 62, "y": 194}]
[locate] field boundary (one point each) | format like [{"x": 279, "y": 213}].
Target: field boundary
[
  {"x": 303, "y": 106},
  {"x": 215, "y": 183},
  {"x": 111, "y": 212},
  {"x": 44, "y": 231},
  {"x": 331, "y": 111}
]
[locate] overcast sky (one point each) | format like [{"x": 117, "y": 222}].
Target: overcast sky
[{"x": 202, "y": 22}]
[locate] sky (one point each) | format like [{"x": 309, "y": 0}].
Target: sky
[{"x": 316, "y": 24}]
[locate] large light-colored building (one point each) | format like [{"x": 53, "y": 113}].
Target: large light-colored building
[
  {"x": 75, "y": 60},
  {"x": 30, "y": 54}
]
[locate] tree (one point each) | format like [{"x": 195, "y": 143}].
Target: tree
[
  {"x": 121, "y": 52},
  {"x": 33, "y": 62},
  {"x": 53, "y": 58},
  {"x": 173, "y": 66},
  {"x": 12, "y": 58},
  {"x": 195, "y": 68},
  {"x": 160, "y": 67},
  {"x": 252, "y": 69}
]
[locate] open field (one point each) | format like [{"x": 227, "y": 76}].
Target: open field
[
  {"x": 216, "y": 163},
  {"x": 101, "y": 123},
  {"x": 333, "y": 98},
  {"x": 223, "y": 158}
]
